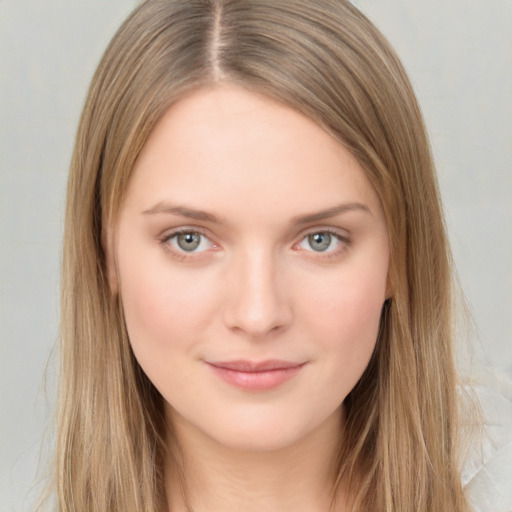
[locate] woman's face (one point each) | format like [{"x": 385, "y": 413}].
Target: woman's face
[{"x": 252, "y": 261}]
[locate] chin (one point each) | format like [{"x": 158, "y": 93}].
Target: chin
[
  {"x": 250, "y": 439},
  {"x": 264, "y": 429}
]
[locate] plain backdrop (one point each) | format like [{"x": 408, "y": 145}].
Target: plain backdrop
[{"x": 459, "y": 56}]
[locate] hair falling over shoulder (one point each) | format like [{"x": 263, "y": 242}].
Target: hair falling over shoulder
[{"x": 327, "y": 61}]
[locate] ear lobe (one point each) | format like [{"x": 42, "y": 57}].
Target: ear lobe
[{"x": 108, "y": 246}]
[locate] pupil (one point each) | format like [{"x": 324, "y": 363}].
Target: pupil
[
  {"x": 320, "y": 241},
  {"x": 188, "y": 241}
]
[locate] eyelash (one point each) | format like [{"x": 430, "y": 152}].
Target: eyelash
[
  {"x": 343, "y": 241},
  {"x": 182, "y": 255}
]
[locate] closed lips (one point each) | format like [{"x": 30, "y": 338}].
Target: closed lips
[
  {"x": 256, "y": 376},
  {"x": 254, "y": 367}
]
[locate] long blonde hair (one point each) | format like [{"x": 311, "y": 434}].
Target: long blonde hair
[{"x": 327, "y": 61}]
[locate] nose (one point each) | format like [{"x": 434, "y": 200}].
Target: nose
[{"x": 258, "y": 302}]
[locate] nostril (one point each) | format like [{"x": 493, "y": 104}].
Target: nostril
[{"x": 258, "y": 311}]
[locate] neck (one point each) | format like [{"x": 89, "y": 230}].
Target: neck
[{"x": 298, "y": 477}]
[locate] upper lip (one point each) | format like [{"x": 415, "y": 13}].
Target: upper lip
[{"x": 242, "y": 365}]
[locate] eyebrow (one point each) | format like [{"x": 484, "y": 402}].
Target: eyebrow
[
  {"x": 331, "y": 212},
  {"x": 192, "y": 213},
  {"x": 183, "y": 211}
]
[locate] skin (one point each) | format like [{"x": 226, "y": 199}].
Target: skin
[{"x": 256, "y": 288}]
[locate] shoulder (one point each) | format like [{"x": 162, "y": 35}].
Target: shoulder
[{"x": 487, "y": 466}]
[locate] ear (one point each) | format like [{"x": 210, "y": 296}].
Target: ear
[{"x": 108, "y": 246}]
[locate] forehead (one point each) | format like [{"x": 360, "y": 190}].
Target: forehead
[{"x": 235, "y": 151}]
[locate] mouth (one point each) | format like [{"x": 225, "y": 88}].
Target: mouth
[{"x": 256, "y": 375}]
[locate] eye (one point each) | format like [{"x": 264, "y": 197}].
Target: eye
[
  {"x": 322, "y": 242},
  {"x": 188, "y": 242}
]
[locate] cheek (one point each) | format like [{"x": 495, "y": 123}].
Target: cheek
[
  {"x": 354, "y": 313},
  {"x": 349, "y": 299},
  {"x": 352, "y": 325},
  {"x": 164, "y": 310},
  {"x": 345, "y": 319}
]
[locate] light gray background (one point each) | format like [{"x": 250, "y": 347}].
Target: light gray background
[{"x": 459, "y": 56}]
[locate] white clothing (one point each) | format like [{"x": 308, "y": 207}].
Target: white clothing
[{"x": 487, "y": 470}]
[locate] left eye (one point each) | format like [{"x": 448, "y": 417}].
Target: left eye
[
  {"x": 189, "y": 241},
  {"x": 321, "y": 241}
]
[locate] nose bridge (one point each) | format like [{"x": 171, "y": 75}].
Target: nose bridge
[{"x": 258, "y": 302}]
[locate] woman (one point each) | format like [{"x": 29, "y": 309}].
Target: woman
[{"x": 256, "y": 280}]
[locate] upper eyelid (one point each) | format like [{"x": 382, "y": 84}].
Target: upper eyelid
[
  {"x": 341, "y": 233},
  {"x": 165, "y": 240},
  {"x": 340, "y": 237},
  {"x": 166, "y": 237},
  {"x": 344, "y": 241},
  {"x": 169, "y": 233}
]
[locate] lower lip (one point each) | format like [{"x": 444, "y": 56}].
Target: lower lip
[{"x": 256, "y": 381}]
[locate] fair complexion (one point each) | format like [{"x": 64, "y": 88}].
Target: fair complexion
[{"x": 251, "y": 257}]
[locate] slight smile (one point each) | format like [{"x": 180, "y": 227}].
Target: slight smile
[{"x": 256, "y": 376}]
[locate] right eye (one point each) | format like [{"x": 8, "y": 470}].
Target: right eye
[{"x": 188, "y": 242}]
